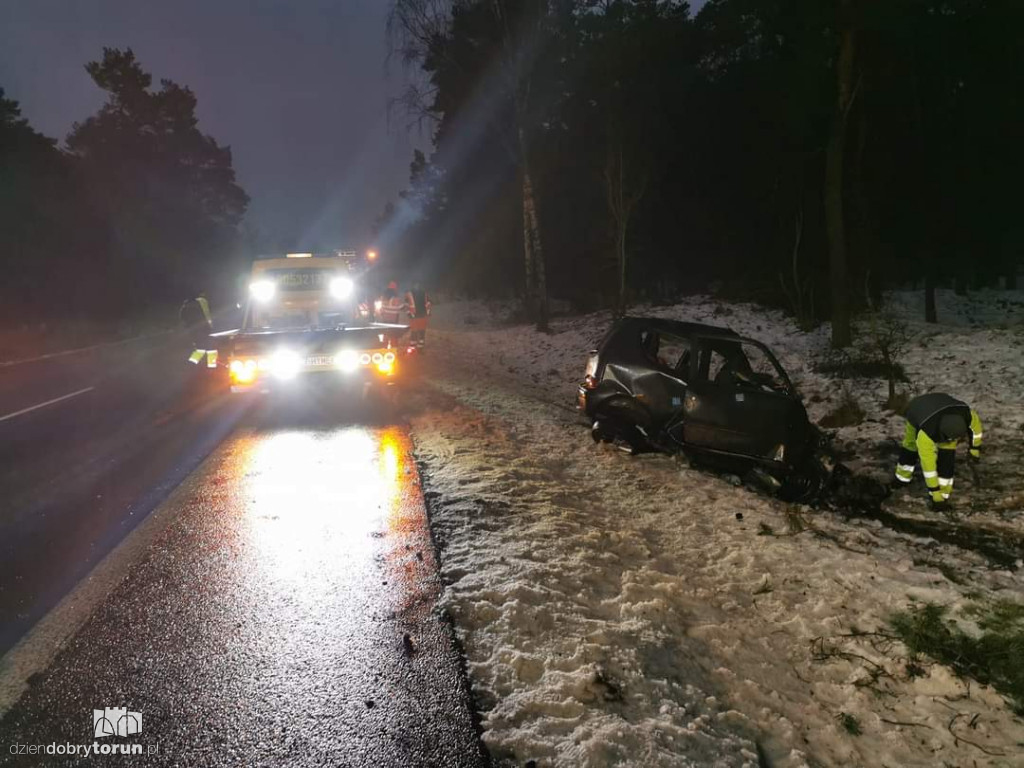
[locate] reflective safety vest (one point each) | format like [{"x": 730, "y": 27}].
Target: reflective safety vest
[
  {"x": 197, "y": 357},
  {"x": 923, "y": 441},
  {"x": 392, "y": 310},
  {"x": 205, "y": 306}
]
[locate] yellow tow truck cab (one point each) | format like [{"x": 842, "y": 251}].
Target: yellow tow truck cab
[{"x": 302, "y": 324}]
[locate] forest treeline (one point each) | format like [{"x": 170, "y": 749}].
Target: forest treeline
[
  {"x": 803, "y": 152},
  {"x": 136, "y": 212}
]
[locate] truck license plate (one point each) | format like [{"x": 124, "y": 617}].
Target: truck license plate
[{"x": 319, "y": 360}]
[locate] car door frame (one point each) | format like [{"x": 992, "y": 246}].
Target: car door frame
[{"x": 724, "y": 420}]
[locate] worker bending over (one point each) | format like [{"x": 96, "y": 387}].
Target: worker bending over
[{"x": 936, "y": 422}]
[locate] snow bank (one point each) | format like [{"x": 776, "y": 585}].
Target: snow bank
[{"x": 632, "y": 611}]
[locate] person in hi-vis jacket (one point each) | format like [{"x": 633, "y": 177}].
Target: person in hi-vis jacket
[{"x": 936, "y": 422}]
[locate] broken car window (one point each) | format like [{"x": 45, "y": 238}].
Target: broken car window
[
  {"x": 741, "y": 366},
  {"x": 667, "y": 351},
  {"x": 765, "y": 373}
]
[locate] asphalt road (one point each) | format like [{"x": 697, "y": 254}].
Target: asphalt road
[
  {"x": 89, "y": 444},
  {"x": 277, "y": 607}
]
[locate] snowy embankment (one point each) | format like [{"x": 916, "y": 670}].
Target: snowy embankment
[{"x": 633, "y": 611}]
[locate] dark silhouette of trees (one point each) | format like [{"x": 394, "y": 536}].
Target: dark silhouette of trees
[
  {"x": 140, "y": 210},
  {"x": 835, "y": 162},
  {"x": 166, "y": 190},
  {"x": 803, "y": 153}
]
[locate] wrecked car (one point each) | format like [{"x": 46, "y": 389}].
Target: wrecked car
[{"x": 721, "y": 399}]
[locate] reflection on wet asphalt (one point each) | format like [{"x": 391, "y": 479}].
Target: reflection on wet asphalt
[{"x": 284, "y": 615}]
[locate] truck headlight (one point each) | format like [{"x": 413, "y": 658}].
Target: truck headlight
[
  {"x": 347, "y": 360},
  {"x": 262, "y": 290},
  {"x": 243, "y": 371},
  {"x": 285, "y": 364},
  {"x": 341, "y": 287}
]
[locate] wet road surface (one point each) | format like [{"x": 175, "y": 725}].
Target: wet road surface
[
  {"x": 77, "y": 474},
  {"x": 279, "y": 611}
]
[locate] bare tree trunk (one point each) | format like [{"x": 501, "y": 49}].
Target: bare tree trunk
[
  {"x": 930, "y": 316},
  {"x": 621, "y": 245},
  {"x": 533, "y": 254},
  {"x": 528, "y": 260},
  {"x": 623, "y": 191},
  {"x": 841, "y": 331}
]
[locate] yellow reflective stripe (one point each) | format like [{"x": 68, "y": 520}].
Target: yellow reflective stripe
[
  {"x": 205, "y": 306},
  {"x": 211, "y": 358},
  {"x": 196, "y": 356}
]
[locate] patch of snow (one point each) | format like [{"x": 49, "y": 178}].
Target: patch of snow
[{"x": 618, "y": 610}]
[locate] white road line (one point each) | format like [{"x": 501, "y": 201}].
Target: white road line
[
  {"x": 48, "y": 402},
  {"x": 79, "y": 350}
]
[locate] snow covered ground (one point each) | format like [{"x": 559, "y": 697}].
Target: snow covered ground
[{"x": 634, "y": 611}]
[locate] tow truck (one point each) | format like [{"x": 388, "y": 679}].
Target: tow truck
[{"x": 302, "y": 325}]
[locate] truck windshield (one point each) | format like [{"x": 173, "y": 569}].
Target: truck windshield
[
  {"x": 300, "y": 319},
  {"x": 283, "y": 320}
]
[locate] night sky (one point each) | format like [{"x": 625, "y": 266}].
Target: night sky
[{"x": 297, "y": 88}]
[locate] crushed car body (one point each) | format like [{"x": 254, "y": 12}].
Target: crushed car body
[{"x": 718, "y": 397}]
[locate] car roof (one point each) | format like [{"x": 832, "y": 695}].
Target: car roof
[{"x": 680, "y": 327}]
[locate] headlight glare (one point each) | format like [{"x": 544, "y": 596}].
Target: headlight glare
[
  {"x": 347, "y": 360},
  {"x": 341, "y": 287},
  {"x": 243, "y": 371},
  {"x": 285, "y": 364},
  {"x": 262, "y": 290}
]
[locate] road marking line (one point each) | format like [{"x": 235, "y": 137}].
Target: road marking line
[
  {"x": 48, "y": 402},
  {"x": 79, "y": 350}
]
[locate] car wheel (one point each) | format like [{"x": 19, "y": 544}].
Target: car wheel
[
  {"x": 802, "y": 487},
  {"x": 621, "y": 430},
  {"x": 601, "y": 433}
]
